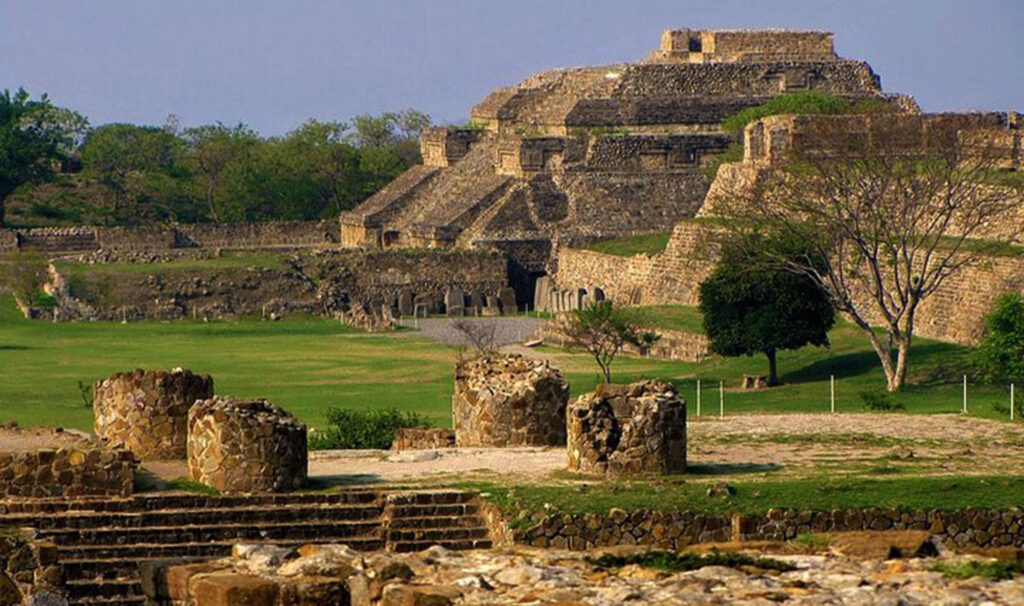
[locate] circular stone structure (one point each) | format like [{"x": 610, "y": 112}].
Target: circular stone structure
[
  {"x": 509, "y": 400},
  {"x": 638, "y": 428},
  {"x": 146, "y": 411},
  {"x": 242, "y": 446}
]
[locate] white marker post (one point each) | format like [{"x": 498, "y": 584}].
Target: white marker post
[
  {"x": 698, "y": 397},
  {"x": 832, "y": 393},
  {"x": 1011, "y": 401},
  {"x": 965, "y": 394},
  {"x": 721, "y": 400}
]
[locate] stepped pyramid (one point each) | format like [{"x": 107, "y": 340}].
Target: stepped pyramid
[{"x": 572, "y": 155}]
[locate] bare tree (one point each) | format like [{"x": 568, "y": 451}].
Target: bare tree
[
  {"x": 478, "y": 335},
  {"x": 893, "y": 205},
  {"x": 603, "y": 330}
]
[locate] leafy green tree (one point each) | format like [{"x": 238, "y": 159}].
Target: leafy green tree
[
  {"x": 218, "y": 157},
  {"x": 1001, "y": 352},
  {"x": 603, "y": 330},
  {"x": 754, "y": 307},
  {"x": 34, "y": 135},
  {"x": 138, "y": 166},
  {"x": 329, "y": 161}
]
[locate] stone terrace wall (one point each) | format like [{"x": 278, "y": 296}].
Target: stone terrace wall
[
  {"x": 66, "y": 472},
  {"x": 147, "y": 411},
  {"x": 279, "y": 234},
  {"x": 242, "y": 446},
  {"x": 30, "y": 572},
  {"x": 675, "y": 530},
  {"x": 955, "y": 312}
]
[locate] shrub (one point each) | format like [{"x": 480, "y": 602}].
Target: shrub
[
  {"x": 352, "y": 429},
  {"x": 875, "y": 400},
  {"x": 678, "y": 562},
  {"x": 809, "y": 102},
  {"x": 1001, "y": 352},
  {"x": 813, "y": 541}
]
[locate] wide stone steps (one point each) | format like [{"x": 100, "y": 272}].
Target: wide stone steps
[
  {"x": 248, "y": 515},
  {"x": 101, "y": 542}
]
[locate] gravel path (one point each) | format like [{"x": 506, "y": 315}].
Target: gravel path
[{"x": 506, "y": 330}]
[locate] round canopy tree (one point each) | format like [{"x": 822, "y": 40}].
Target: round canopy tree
[{"x": 751, "y": 307}]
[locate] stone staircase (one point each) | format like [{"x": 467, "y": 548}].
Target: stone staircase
[{"x": 102, "y": 542}]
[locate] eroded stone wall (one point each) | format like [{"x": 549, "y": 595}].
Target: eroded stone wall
[
  {"x": 66, "y": 472},
  {"x": 628, "y": 429},
  {"x": 277, "y": 234},
  {"x": 423, "y": 439},
  {"x": 676, "y": 530},
  {"x": 246, "y": 446},
  {"x": 30, "y": 572},
  {"x": 147, "y": 411},
  {"x": 509, "y": 400},
  {"x": 955, "y": 312}
]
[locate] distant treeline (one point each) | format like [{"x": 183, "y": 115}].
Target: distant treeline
[{"x": 126, "y": 174}]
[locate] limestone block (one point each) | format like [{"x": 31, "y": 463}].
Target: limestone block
[
  {"x": 419, "y": 439},
  {"x": 476, "y": 304},
  {"x": 147, "y": 411},
  {"x": 509, "y": 306},
  {"x": 454, "y": 297},
  {"x": 628, "y": 429},
  {"x": 425, "y": 305},
  {"x": 226, "y": 589},
  {"x": 405, "y": 303},
  {"x": 241, "y": 446},
  {"x": 67, "y": 472},
  {"x": 540, "y": 293},
  {"x": 509, "y": 400}
]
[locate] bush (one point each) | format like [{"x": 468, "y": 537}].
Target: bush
[
  {"x": 875, "y": 400},
  {"x": 810, "y": 102},
  {"x": 1001, "y": 353},
  {"x": 358, "y": 429}
]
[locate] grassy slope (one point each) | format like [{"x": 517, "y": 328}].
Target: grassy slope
[
  {"x": 310, "y": 364},
  {"x": 627, "y": 246},
  {"x": 228, "y": 260}
]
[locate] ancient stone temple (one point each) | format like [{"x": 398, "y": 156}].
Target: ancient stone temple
[
  {"x": 242, "y": 446},
  {"x": 147, "y": 411},
  {"x": 569, "y": 155},
  {"x": 628, "y": 429},
  {"x": 509, "y": 400}
]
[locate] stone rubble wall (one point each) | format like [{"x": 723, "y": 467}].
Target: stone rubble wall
[
  {"x": 317, "y": 282},
  {"x": 147, "y": 411},
  {"x": 246, "y": 446},
  {"x": 67, "y": 472},
  {"x": 671, "y": 345},
  {"x": 423, "y": 439},
  {"x": 675, "y": 530},
  {"x": 509, "y": 400},
  {"x": 30, "y": 572},
  {"x": 628, "y": 429}
]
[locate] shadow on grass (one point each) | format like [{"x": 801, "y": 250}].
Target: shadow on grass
[
  {"x": 4, "y": 347},
  {"x": 724, "y": 469},
  {"x": 318, "y": 483}
]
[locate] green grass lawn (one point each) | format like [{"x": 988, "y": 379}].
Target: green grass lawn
[
  {"x": 307, "y": 365},
  {"x": 818, "y": 494},
  {"x": 627, "y": 246},
  {"x": 673, "y": 317},
  {"x": 227, "y": 260}
]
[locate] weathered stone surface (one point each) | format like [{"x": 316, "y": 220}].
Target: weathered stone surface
[
  {"x": 239, "y": 445},
  {"x": 147, "y": 411},
  {"x": 67, "y": 472},
  {"x": 628, "y": 429},
  {"x": 423, "y": 439},
  {"x": 509, "y": 401},
  {"x": 225, "y": 589}
]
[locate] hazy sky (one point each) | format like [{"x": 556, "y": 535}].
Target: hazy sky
[{"x": 273, "y": 64}]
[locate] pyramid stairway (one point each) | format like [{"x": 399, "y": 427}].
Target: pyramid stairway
[{"x": 102, "y": 542}]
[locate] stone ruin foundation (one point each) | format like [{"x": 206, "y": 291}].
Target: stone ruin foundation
[
  {"x": 509, "y": 400},
  {"x": 423, "y": 438},
  {"x": 628, "y": 429},
  {"x": 147, "y": 411},
  {"x": 244, "y": 446}
]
